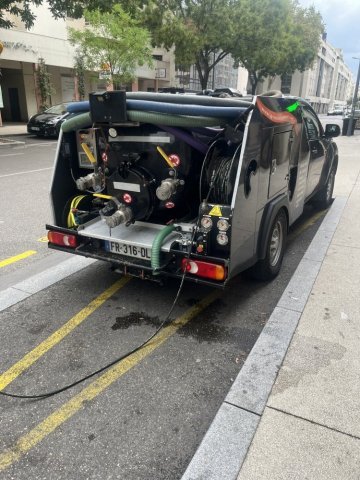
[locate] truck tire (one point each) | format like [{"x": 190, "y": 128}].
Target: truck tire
[
  {"x": 323, "y": 198},
  {"x": 269, "y": 267}
]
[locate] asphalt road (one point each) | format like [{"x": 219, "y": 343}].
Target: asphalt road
[
  {"x": 144, "y": 418},
  {"x": 25, "y": 175}
]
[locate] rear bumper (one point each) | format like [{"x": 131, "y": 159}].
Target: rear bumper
[
  {"x": 130, "y": 266},
  {"x": 43, "y": 130}
]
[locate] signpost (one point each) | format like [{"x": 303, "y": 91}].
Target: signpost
[
  {"x": 160, "y": 73},
  {"x": 1, "y": 97},
  {"x": 351, "y": 118}
]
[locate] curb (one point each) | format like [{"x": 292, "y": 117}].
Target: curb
[
  {"x": 7, "y": 142},
  {"x": 34, "y": 284},
  {"x": 225, "y": 444}
]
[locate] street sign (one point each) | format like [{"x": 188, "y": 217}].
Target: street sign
[
  {"x": 160, "y": 73},
  {"x": 104, "y": 75}
]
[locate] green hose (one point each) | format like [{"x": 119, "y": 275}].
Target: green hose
[
  {"x": 76, "y": 123},
  {"x": 156, "y": 247},
  {"x": 84, "y": 120},
  {"x": 174, "y": 120}
]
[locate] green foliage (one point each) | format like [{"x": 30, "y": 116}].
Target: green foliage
[
  {"x": 58, "y": 8},
  {"x": 276, "y": 37},
  {"x": 44, "y": 85},
  {"x": 200, "y": 31},
  {"x": 113, "y": 40},
  {"x": 79, "y": 67},
  {"x": 268, "y": 37}
]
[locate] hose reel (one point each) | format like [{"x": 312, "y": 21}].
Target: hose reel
[{"x": 219, "y": 173}]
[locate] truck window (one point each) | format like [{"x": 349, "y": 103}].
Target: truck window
[{"x": 313, "y": 128}]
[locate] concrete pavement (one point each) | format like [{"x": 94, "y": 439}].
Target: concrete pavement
[
  {"x": 293, "y": 411},
  {"x": 13, "y": 128},
  {"x": 8, "y": 132}
]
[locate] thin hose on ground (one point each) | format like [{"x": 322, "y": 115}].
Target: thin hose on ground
[{"x": 122, "y": 357}]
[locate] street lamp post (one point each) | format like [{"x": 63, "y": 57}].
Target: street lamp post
[{"x": 351, "y": 119}]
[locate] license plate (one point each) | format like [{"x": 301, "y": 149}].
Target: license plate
[
  {"x": 36, "y": 129},
  {"x": 129, "y": 250}
]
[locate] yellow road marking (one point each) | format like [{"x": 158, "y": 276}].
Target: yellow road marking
[
  {"x": 43, "y": 239},
  {"x": 66, "y": 411},
  {"x": 31, "y": 357},
  {"x": 10, "y": 260}
]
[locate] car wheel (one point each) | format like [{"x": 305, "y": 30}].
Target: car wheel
[
  {"x": 270, "y": 266},
  {"x": 324, "y": 198}
]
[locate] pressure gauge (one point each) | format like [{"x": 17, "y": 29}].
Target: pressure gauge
[
  {"x": 223, "y": 225},
  {"x": 112, "y": 132},
  {"x": 206, "y": 223},
  {"x": 222, "y": 238}
]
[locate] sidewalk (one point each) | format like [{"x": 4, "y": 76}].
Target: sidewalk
[
  {"x": 10, "y": 129},
  {"x": 13, "y": 128},
  {"x": 293, "y": 413}
]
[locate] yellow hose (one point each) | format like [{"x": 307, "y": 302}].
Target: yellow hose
[{"x": 74, "y": 203}]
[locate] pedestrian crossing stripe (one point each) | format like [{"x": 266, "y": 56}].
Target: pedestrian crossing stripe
[{"x": 216, "y": 211}]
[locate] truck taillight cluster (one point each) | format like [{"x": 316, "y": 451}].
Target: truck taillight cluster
[
  {"x": 199, "y": 268},
  {"x": 63, "y": 239}
]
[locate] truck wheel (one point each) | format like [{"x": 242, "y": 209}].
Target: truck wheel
[
  {"x": 269, "y": 267},
  {"x": 324, "y": 197}
]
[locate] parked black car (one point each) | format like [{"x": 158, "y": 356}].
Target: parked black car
[{"x": 48, "y": 123}]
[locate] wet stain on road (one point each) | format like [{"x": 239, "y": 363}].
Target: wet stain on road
[{"x": 135, "y": 318}]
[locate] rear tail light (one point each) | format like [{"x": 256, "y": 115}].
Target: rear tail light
[
  {"x": 62, "y": 239},
  {"x": 204, "y": 269}
]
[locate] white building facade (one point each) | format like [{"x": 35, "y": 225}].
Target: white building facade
[
  {"x": 327, "y": 83},
  {"x": 222, "y": 75},
  {"x": 48, "y": 39}
]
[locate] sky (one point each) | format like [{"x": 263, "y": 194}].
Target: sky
[{"x": 342, "y": 23}]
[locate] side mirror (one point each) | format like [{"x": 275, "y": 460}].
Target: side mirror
[{"x": 332, "y": 130}]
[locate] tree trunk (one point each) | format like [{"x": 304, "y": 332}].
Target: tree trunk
[
  {"x": 205, "y": 64},
  {"x": 254, "y": 81},
  {"x": 204, "y": 72}
]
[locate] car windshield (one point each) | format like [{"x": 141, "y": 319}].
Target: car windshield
[{"x": 57, "y": 109}]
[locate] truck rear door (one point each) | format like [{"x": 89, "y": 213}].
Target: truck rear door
[{"x": 279, "y": 161}]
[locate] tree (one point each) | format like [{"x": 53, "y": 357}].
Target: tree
[
  {"x": 200, "y": 30},
  {"x": 79, "y": 67},
  {"x": 44, "y": 85},
  {"x": 114, "y": 42},
  {"x": 58, "y": 8},
  {"x": 276, "y": 37}
]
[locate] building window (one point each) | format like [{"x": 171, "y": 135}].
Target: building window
[
  {"x": 158, "y": 57},
  {"x": 286, "y": 83}
]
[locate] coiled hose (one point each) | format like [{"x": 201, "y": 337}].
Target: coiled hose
[
  {"x": 84, "y": 120},
  {"x": 189, "y": 100},
  {"x": 217, "y": 111}
]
